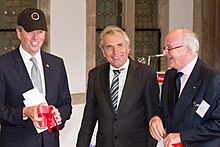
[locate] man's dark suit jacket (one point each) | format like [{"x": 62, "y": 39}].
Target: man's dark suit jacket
[
  {"x": 14, "y": 80},
  {"x": 129, "y": 126},
  {"x": 203, "y": 84}
]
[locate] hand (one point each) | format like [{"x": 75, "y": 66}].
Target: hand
[
  {"x": 171, "y": 138},
  {"x": 56, "y": 114},
  {"x": 31, "y": 112},
  {"x": 157, "y": 130}
]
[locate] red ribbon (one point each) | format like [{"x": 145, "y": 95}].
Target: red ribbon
[
  {"x": 45, "y": 112},
  {"x": 177, "y": 145}
]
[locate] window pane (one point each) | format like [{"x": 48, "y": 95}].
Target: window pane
[
  {"x": 147, "y": 34},
  {"x": 108, "y": 12}
]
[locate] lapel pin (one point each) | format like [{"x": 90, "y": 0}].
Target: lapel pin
[
  {"x": 47, "y": 65},
  {"x": 194, "y": 87},
  {"x": 195, "y": 104}
]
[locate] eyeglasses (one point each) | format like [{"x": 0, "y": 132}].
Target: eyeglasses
[{"x": 168, "y": 48}]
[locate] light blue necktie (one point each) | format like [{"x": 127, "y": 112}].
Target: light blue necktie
[{"x": 35, "y": 75}]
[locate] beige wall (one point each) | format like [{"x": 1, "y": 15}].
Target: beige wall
[
  {"x": 180, "y": 14},
  {"x": 68, "y": 39}
]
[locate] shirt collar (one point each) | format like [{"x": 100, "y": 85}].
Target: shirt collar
[
  {"x": 188, "y": 68},
  {"x": 26, "y": 56},
  {"x": 125, "y": 66}
]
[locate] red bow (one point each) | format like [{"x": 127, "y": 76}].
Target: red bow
[{"x": 45, "y": 112}]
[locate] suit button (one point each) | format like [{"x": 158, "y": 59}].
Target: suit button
[
  {"x": 116, "y": 137},
  {"x": 115, "y": 119}
]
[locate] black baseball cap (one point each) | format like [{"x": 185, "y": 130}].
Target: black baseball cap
[{"x": 32, "y": 19}]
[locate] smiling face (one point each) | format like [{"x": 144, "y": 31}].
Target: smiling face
[
  {"x": 31, "y": 41},
  {"x": 115, "y": 49},
  {"x": 181, "y": 46},
  {"x": 176, "y": 57},
  {"x": 180, "y": 54}
]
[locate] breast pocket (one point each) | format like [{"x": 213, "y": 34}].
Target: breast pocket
[{"x": 191, "y": 117}]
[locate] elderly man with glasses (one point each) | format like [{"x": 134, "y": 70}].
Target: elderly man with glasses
[{"x": 190, "y": 101}]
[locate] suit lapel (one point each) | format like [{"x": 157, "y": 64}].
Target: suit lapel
[
  {"x": 170, "y": 98},
  {"x": 106, "y": 85},
  {"x": 188, "y": 94},
  {"x": 21, "y": 69},
  {"x": 48, "y": 75},
  {"x": 129, "y": 83}
]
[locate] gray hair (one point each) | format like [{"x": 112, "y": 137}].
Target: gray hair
[
  {"x": 190, "y": 39},
  {"x": 19, "y": 28},
  {"x": 113, "y": 30}
]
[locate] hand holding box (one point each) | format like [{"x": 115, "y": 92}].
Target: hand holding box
[{"x": 48, "y": 120}]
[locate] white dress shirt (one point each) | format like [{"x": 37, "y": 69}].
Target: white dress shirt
[
  {"x": 122, "y": 78},
  {"x": 187, "y": 70},
  {"x": 28, "y": 64}
]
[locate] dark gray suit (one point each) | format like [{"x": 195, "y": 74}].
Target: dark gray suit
[
  {"x": 14, "y": 80},
  {"x": 203, "y": 84},
  {"x": 129, "y": 126}
]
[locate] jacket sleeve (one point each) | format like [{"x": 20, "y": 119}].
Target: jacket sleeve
[
  {"x": 9, "y": 115},
  {"x": 64, "y": 98},
  {"x": 89, "y": 116}
]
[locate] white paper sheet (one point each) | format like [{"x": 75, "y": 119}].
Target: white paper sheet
[
  {"x": 34, "y": 97},
  {"x": 160, "y": 143}
]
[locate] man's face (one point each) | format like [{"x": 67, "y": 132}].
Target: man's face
[
  {"x": 176, "y": 53},
  {"x": 115, "y": 49},
  {"x": 31, "y": 41}
]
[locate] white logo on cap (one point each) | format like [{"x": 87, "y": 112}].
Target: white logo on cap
[{"x": 35, "y": 16}]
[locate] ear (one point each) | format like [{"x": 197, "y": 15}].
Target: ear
[
  {"x": 103, "y": 52},
  {"x": 18, "y": 33},
  {"x": 188, "y": 50}
]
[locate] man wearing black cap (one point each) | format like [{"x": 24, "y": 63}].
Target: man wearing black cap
[{"x": 19, "y": 122}]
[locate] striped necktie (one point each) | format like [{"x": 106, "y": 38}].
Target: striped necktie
[
  {"x": 115, "y": 89},
  {"x": 35, "y": 75}
]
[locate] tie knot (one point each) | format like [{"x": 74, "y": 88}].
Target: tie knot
[
  {"x": 34, "y": 60},
  {"x": 179, "y": 75},
  {"x": 117, "y": 72}
]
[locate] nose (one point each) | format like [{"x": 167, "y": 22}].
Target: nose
[
  {"x": 35, "y": 35},
  {"x": 115, "y": 50},
  {"x": 165, "y": 52}
]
